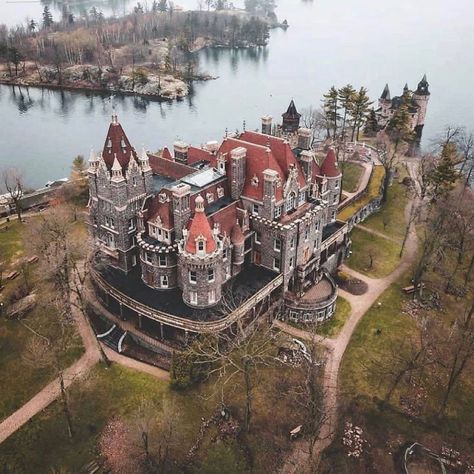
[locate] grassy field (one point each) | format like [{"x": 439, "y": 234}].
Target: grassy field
[
  {"x": 333, "y": 327},
  {"x": 43, "y": 445},
  {"x": 366, "y": 246},
  {"x": 351, "y": 176},
  {"x": 373, "y": 190},
  {"x": 390, "y": 220},
  {"x": 25, "y": 378}
]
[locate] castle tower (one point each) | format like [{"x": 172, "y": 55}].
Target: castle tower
[
  {"x": 119, "y": 182},
  {"x": 421, "y": 96},
  {"x": 238, "y": 242},
  {"x": 291, "y": 119},
  {"x": 200, "y": 261}
]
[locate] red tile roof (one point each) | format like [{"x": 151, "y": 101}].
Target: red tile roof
[
  {"x": 259, "y": 158},
  {"x": 225, "y": 218},
  {"x": 198, "y": 154},
  {"x": 160, "y": 209},
  {"x": 166, "y": 154},
  {"x": 200, "y": 227},
  {"x": 329, "y": 166},
  {"x": 281, "y": 151},
  {"x": 117, "y": 145},
  {"x": 237, "y": 236},
  {"x": 172, "y": 169}
]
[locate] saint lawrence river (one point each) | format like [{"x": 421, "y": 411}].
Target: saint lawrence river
[{"x": 366, "y": 43}]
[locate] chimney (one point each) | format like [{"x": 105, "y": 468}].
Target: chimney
[
  {"x": 267, "y": 124},
  {"x": 304, "y": 138},
  {"x": 181, "y": 151}
]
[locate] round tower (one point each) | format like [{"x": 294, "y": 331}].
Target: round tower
[{"x": 200, "y": 261}]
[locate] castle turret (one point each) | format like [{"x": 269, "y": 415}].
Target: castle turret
[
  {"x": 332, "y": 173},
  {"x": 238, "y": 242},
  {"x": 421, "y": 96},
  {"x": 386, "y": 93},
  {"x": 200, "y": 261},
  {"x": 291, "y": 119}
]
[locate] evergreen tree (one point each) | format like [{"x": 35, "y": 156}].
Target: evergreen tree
[
  {"x": 162, "y": 5},
  {"x": 360, "y": 109},
  {"x": 346, "y": 99},
  {"x": 331, "y": 108},
  {"x": 444, "y": 174},
  {"x": 47, "y": 17},
  {"x": 371, "y": 126},
  {"x": 32, "y": 25}
]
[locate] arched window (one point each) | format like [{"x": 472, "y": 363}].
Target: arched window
[{"x": 290, "y": 202}]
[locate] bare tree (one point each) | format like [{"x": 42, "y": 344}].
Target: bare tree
[
  {"x": 460, "y": 351},
  {"x": 316, "y": 121},
  {"x": 14, "y": 185},
  {"x": 237, "y": 359}
]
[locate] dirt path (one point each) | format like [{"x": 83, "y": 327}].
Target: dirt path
[
  {"x": 77, "y": 370},
  {"x": 377, "y": 233},
  {"x": 296, "y": 463}
]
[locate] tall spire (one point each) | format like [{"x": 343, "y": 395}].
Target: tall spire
[
  {"x": 386, "y": 93},
  {"x": 423, "y": 87}
]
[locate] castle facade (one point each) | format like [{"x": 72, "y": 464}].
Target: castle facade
[
  {"x": 190, "y": 222},
  {"x": 418, "y": 104}
]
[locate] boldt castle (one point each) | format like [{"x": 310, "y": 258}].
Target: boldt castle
[{"x": 199, "y": 239}]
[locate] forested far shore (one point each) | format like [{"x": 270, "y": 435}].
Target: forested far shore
[{"x": 148, "y": 52}]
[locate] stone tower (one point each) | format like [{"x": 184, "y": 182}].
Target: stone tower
[
  {"x": 201, "y": 261},
  {"x": 291, "y": 119},
  {"x": 119, "y": 183},
  {"x": 421, "y": 96},
  {"x": 331, "y": 172}
]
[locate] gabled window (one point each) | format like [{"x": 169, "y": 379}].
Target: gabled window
[
  {"x": 192, "y": 277},
  {"x": 200, "y": 245}
]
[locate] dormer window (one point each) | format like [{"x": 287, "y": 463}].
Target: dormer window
[
  {"x": 201, "y": 245},
  {"x": 210, "y": 197},
  {"x": 220, "y": 192},
  {"x": 122, "y": 143},
  {"x": 109, "y": 143},
  {"x": 162, "y": 197},
  {"x": 290, "y": 202}
]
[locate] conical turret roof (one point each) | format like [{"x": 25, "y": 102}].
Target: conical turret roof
[
  {"x": 117, "y": 145},
  {"x": 329, "y": 166},
  {"x": 200, "y": 229}
]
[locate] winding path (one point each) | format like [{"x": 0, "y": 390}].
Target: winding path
[
  {"x": 79, "y": 369},
  {"x": 296, "y": 463}
]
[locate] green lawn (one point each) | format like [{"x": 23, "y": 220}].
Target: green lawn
[
  {"x": 351, "y": 176},
  {"x": 384, "y": 254},
  {"x": 22, "y": 378},
  {"x": 11, "y": 244},
  {"x": 333, "y": 327},
  {"x": 372, "y": 191},
  {"x": 43, "y": 445},
  {"x": 390, "y": 219}
]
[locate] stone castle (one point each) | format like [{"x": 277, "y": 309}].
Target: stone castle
[
  {"x": 185, "y": 232},
  {"x": 418, "y": 104}
]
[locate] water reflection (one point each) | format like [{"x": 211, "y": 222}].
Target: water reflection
[
  {"x": 21, "y": 97},
  {"x": 83, "y": 7}
]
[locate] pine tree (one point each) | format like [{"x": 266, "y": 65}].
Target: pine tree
[
  {"x": 346, "y": 99},
  {"x": 32, "y": 25},
  {"x": 444, "y": 174},
  {"x": 47, "y": 17},
  {"x": 163, "y": 5},
  {"x": 331, "y": 108},
  {"x": 360, "y": 109},
  {"x": 371, "y": 126}
]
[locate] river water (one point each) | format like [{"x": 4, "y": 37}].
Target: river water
[{"x": 365, "y": 42}]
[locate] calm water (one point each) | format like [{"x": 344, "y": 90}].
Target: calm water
[{"x": 368, "y": 43}]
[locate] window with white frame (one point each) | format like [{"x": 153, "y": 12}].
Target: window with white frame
[
  {"x": 211, "y": 296},
  {"x": 224, "y": 254},
  {"x": 292, "y": 242},
  {"x": 220, "y": 192},
  {"x": 193, "y": 297},
  {"x": 290, "y": 202},
  {"x": 110, "y": 238},
  {"x": 200, "y": 245},
  {"x": 162, "y": 260},
  {"x": 148, "y": 257},
  {"x": 192, "y": 277},
  {"x": 258, "y": 237},
  {"x": 302, "y": 197},
  {"x": 336, "y": 184},
  {"x": 276, "y": 264},
  {"x": 292, "y": 261},
  {"x": 164, "y": 281},
  {"x": 210, "y": 275},
  {"x": 277, "y": 212},
  {"x": 276, "y": 244},
  {"x": 306, "y": 233},
  {"x": 255, "y": 209},
  {"x": 132, "y": 223}
]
